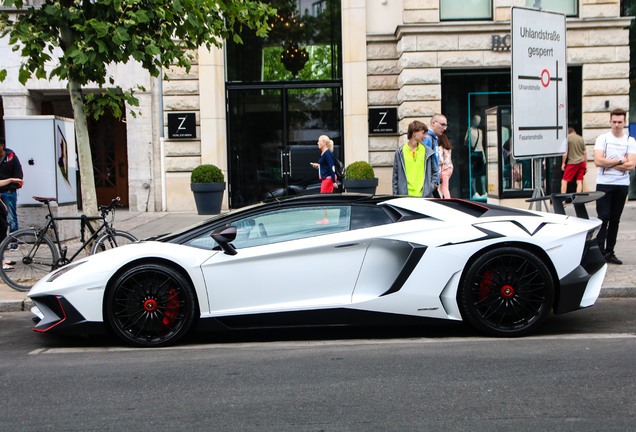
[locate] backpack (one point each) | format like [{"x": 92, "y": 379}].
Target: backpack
[{"x": 339, "y": 170}]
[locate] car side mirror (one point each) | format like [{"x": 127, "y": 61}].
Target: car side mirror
[{"x": 224, "y": 236}]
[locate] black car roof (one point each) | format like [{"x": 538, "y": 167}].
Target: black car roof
[
  {"x": 468, "y": 207},
  {"x": 316, "y": 199},
  {"x": 328, "y": 198}
]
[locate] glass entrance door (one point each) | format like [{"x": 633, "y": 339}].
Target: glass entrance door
[{"x": 272, "y": 135}]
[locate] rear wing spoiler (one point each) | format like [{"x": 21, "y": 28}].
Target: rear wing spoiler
[{"x": 578, "y": 200}]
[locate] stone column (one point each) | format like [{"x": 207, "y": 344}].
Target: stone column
[
  {"x": 354, "y": 73},
  {"x": 213, "y": 122},
  {"x": 20, "y": 103}
]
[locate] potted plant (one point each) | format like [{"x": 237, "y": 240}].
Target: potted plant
[
  {"x": 207, "y": 183},
  {"x": 359, "y": 177}
]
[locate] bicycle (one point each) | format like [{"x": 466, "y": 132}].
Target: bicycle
[{"x": 30, "y": 253}]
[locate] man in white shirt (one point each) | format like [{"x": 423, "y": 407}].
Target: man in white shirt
[{"x": 615, "y": 157}]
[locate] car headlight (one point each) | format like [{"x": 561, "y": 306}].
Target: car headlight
[{"x": 63, "y": 270}]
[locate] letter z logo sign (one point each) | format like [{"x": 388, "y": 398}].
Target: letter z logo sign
[{"x": 182, "y": 125}]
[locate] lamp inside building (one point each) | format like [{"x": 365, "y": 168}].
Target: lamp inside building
[{"x": 294, "y": 58}]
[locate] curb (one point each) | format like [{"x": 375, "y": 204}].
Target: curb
[
  {"x": 617, "y": 292},
  {"x": 16, "y": 305},
  {"x": 27, "y": 304}
]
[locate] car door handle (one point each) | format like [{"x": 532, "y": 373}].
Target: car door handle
[{"x": 347, "y": 245}]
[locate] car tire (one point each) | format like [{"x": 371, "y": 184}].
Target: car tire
[
  {"x": 506, "y": 292},
  {"x": 150, "y": 305}
]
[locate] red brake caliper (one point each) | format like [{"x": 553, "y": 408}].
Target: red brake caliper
[
  {"x": 485, "y": 285},
  {"x": 172, "y": 308}
]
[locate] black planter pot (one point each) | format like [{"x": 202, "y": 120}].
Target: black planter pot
[
  {"x": 366, "y": 186},
  {"x": 208, "y": 197}
]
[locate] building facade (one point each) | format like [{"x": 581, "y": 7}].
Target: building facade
[{"x": 372, "y": 67}]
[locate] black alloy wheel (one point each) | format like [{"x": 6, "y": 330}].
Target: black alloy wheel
[
  {"x": 151, "y": 305},
  {"x": 506, "y": 292}
]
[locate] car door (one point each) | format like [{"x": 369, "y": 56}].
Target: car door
[{"x": 287, "y": 259}]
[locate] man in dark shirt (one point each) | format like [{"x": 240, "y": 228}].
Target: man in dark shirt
[
  {"x": 438, "y": 126},
  {"x": 9, "y": 168}
]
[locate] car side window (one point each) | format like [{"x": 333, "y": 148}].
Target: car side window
[
  {"x": 291, "y": 224},
  {"x": 365, "y": 216},
  {"x": 284, "y": 225}
]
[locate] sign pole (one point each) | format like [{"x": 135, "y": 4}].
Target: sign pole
[{"x": 538, "y": 186}]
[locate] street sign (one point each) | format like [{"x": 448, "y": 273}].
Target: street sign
[{"x": 539, "y": 83}]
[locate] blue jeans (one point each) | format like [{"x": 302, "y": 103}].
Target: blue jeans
[{"x": 10, "y": 200}]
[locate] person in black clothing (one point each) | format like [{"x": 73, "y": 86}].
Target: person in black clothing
[
  {"x": 4, "y": 224},
  {"x": 10, "y": 168}
]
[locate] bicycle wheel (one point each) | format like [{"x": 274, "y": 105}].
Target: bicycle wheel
[
  {"x": 108, "y": 241},
  {"x": 31, "y": 258}
]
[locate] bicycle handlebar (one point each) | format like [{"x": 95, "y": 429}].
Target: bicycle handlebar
[{"x": 106, "y": 209}]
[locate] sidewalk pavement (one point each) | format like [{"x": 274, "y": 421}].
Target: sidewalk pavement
[{"x": 620, "y": 280}]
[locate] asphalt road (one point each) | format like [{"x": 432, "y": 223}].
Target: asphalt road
[{"x": 577, "y": 374}]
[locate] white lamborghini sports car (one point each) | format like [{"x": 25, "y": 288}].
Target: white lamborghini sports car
[{"x": 333, "y": 259}]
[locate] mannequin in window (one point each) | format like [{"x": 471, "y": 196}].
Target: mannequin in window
[{"x": 475, "y": 138}]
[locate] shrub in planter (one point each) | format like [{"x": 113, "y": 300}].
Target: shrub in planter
[
  {"x": 360, "y": 170},
  {"x": 360, "y": 178},
  {"x": 207, "y": 174},
  {"x": 207, "y": 183}
]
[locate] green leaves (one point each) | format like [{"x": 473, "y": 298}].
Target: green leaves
[
  {"x": 153, "y": 50},
  {"x": 76, "y": 55},
  {"x": 142, "y": 16},
  {"x": 112, "y": 99},
  {"x": 24, "y": 75},
  {"x": 120, "y": 35},
  {"x": 100, "y": 28},
  {"x": 82, "y": 38}
]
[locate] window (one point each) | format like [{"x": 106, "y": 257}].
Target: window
[
  {"x": 318, "y": 7},
  {"x": 304, "y": 44},
  {"x": 297, "y": 223},
  {"x": 567, "y": 7},
  {"x": 465, "y": 9},
  {"x": 368, "y": 216},
  {"x": 283, "y": 225}
]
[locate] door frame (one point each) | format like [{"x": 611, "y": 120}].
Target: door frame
[
  {"x": 283, "y": 86},
  {"x": 120, "y": 160}
]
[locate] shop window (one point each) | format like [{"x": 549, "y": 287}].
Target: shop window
[
  {"x": 465, "y": 9},
  {"x": 568, "y": 7},
  {"x": 468, "y": 97}
]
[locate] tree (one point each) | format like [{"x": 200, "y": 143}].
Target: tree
[{"x": 84, "y": 37}]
